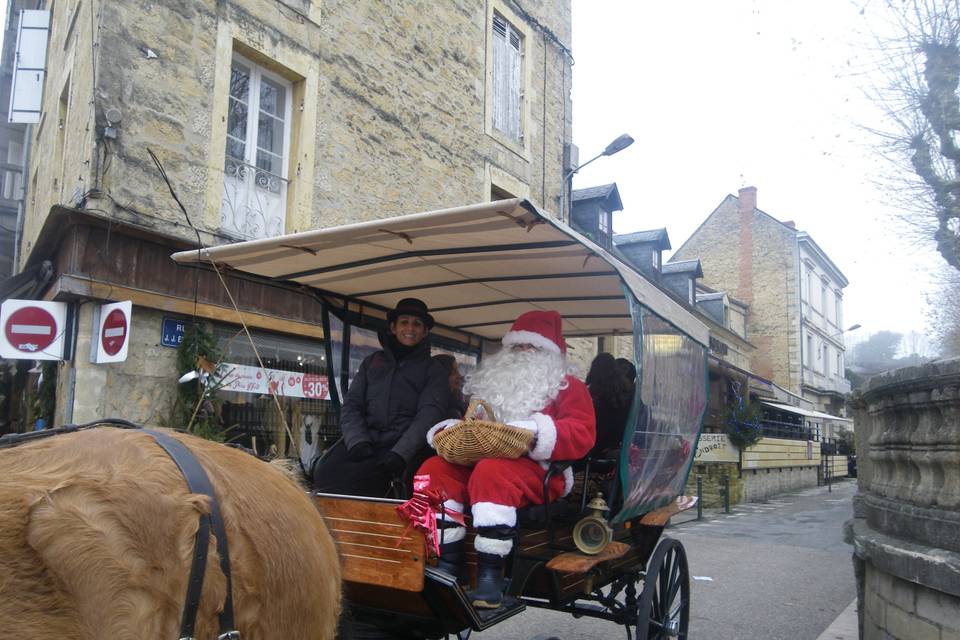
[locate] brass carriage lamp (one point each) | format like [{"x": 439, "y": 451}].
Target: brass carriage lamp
[{"x": 592, "y": 534}]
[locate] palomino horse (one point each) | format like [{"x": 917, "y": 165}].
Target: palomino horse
[{"x": 97, "y": 532}]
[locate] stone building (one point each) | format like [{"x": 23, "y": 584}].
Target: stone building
[
  {"x": 794, "y": 292},
  {"x": 267, "y": 117}
]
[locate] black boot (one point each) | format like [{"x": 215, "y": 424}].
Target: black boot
[
  {"x": 452, "y": 559},
  {"x": 489, "y": 591}
]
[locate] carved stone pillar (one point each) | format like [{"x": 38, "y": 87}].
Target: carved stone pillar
[{"x": 906, "y": 525}]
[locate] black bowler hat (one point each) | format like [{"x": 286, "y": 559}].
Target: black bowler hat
[{"x": 411, "y": 307}]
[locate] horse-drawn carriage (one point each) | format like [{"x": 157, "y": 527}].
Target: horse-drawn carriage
[{"x": 478, "y": 268}]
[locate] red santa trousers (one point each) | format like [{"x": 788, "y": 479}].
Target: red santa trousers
[{"x": 494, "y": 488}]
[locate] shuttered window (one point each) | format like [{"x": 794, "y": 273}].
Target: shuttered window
[
  {"x": 507, "y": 89},
  {"x": 26, "y": 93}
]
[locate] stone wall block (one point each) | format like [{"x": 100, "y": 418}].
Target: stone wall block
[
  {"x": 902, "y": 626},
  {"x": 938, "y": 608}
]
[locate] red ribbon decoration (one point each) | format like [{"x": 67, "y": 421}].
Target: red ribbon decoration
[{"x": 419, "y": 512}]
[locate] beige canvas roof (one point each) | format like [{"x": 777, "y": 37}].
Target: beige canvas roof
[{"x": 477, "y": 267}]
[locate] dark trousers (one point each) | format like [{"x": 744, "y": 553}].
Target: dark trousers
[{"x": 335, "y": 473}]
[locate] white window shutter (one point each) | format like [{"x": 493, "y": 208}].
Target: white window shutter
[
  {"x": 507, "y": 88},
  {"x": 26, "y": 92}
]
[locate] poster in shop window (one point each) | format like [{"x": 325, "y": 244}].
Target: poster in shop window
[{"x": 292, "y": 384}]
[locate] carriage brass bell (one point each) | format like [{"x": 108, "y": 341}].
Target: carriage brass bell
[{"x": 592, "y": 534}]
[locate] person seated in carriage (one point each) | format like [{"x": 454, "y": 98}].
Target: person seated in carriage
[
  {"x": 457, "y": 404},
  {"x": 612, "y": 394},
  {"x": 398, "y": 394},
  {"x": 528, "y": 385}
]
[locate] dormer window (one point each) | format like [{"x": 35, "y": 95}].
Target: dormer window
[
  {"x": 656, "y": 259},
  {"x": 691, "y": 295},
  {"x": 603, "y": 222}
]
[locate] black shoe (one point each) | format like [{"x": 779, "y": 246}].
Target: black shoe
[{"x": 489, "y": 591}]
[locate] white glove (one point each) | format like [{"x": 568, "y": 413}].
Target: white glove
[
  {"x": 440, "y": 426},
  {"x": 529, "y": 425}
]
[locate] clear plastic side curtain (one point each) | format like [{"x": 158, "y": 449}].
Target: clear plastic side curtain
[
  {"x": 667, "y": 415},
  {"x": 333, "y": 331}
]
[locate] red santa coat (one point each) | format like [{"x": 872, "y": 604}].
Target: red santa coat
[{"x": 495, "y": 488}]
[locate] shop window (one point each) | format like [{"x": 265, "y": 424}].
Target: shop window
[{"x": 296, "y": 372}]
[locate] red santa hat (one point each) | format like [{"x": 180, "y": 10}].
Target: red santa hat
[{"x": 541, "y": 329}]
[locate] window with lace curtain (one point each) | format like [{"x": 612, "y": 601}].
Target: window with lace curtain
[
  {"x": 257, "y": 152},
  {"x": 507, "y": 79}
]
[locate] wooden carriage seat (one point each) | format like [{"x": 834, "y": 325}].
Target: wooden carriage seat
[{"x": 376, "y": 547}]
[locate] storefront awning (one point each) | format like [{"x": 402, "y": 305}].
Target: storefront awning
[{"x": 804, "y": 412}]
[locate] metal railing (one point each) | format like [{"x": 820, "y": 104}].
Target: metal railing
[{"x": 787, "y": 430}]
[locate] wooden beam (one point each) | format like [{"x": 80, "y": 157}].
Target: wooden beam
[{"x": 66, "y": 287}]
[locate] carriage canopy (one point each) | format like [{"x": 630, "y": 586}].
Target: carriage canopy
[{"x": 479, "y": 267}]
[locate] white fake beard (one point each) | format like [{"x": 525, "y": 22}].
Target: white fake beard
[{"x": 518, "y": 384}]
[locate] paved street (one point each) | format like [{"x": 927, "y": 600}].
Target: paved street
[{"x": 766, "y": 571}]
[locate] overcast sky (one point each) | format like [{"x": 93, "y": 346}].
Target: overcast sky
[{"x": 721, "y": 95}]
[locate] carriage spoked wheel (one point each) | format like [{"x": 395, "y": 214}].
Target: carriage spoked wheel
[{"x": 663, "y": 610}]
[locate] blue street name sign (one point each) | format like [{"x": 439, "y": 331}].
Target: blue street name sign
[{"x": 171, "y": 332}]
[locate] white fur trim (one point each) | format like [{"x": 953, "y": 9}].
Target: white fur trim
[
  {"x": 454, "y": 534},
  {"x": 494, "y": 547},
  {"x": 567, "y": 481},
  {"x": 453, "y": 505},
  {"x": 546, "y": 437},
  {"x": 531, "y": 338},
  {"x": 491, "y": 514},
  {"x": 529, "y": 425},
  {"x": 440, "y": 426}
]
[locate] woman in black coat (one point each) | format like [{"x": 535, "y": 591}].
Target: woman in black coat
[{"x": 396, "y": 396}]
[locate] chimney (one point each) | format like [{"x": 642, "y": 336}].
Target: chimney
[
  {"x": 790, "y": 223},
  {"x": 748, "y": 199}
]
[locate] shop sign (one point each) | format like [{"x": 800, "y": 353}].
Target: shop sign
[
  {"x": 32, "y": 329},
  {"x": 716, "y": 447},
  {"x": 292, "y": 384}
]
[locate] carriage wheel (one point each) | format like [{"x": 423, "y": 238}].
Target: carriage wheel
[{"x": 663, "y": 610}]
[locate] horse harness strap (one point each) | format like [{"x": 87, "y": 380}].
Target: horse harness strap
[{"x": 199, "y": 482}]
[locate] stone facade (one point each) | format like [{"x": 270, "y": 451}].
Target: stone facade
[
  {"x": 391, "y": 113},
  {"x": 756, "y": 258},
  {"x": 753, "y": 257},
  {"x": 386, "y": 113},
  {"x": 141, "y": 389},
  {"x": 907, "y": 510},
  {"x": 821, "y": 301}
]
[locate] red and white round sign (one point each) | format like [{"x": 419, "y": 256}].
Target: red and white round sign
[
  {"x": 114, "y": 332},
  {"x": 30, "y": 329}
]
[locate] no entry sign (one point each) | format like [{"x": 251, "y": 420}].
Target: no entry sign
[
  {"x": 32, "y": 329},
  {"x": 111, "y": 332}
]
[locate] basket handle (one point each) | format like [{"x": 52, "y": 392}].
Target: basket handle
[{"x": 471, "y": 413}]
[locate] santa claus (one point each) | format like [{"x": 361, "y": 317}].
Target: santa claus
[{"x": 528, "y": 385}]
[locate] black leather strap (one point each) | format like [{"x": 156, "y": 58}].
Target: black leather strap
[{"x": 198, "y": 482}]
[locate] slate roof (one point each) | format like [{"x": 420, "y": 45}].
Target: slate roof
[
  {"x": 684, "y": 266},
  {"x": 654, "y": 235},
  {"x": 608, "y": 192}
]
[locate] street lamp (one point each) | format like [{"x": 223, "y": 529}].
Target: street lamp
[
  {"x": 850, "y": 328},
  {"x": 619, "y": 144}
]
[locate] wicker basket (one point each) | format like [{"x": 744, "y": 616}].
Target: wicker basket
[{"x": 474, "y": 439}]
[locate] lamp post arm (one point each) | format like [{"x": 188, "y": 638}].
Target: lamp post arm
[{"x": 564, "y": 214}]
